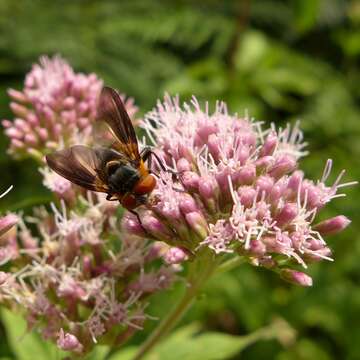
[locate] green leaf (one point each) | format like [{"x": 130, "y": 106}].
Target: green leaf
[
  {"x": 24, "y": 343},
  {"x": 306, "y": 12},
  {"x": 98, "y": 353},
  {"x": 188, "y": 343}
]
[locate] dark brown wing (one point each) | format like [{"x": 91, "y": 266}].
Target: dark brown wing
[
  {"x": 112, "y": 110},
  {"x": 83, "y": 166}
]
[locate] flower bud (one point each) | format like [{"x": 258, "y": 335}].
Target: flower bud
[
  {"x": 295, "y": 181},
  {"x": 287, "y": 214},
  {"x": 333, "y": 225},
  {"x": 264, "y": 163},
  {"x": 68, "y": 342},
  {"x": 197, "y": 223},
  {"x": 296, "y": 277},
  {"x": 187, "y": 204},
  {"x": 257, "y": 248},
  {"x": 19, "y": 110},
  {"x": 7, "y": 222},
  {"x": 183, "y": 165},
  {"x": 208, "y": 188},
  {"x": 132, "y": 225},
  {"x": 246, "y": 175},
  {"x": 264, "y": 184},
  {"x": 247, "y": 195},
  {"x": 190, "y": 180},
  {"x": 155, "y": 227},
  {"x": 269, "y": 145},
  {"x": 17, "y": 96},
  {"x": 214, "y": 147},
  {"x": 282, "y": 166},
  {"x": 175, "y": 255}
]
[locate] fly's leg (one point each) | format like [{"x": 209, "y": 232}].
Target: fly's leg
[
  {"x": 109, "y": 197},
  {"x": 139, "y": 220},
  {"x": 146, "y": 155}
]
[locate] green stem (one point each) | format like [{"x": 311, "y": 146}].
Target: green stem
[
  {"x": 200, "y": 270},
  {"x": 230, "y": 264}
]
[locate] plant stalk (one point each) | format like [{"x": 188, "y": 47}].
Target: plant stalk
[{"x": 199, "y": 272}]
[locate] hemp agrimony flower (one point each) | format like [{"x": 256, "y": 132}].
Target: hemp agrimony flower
[
  {"x": 69, "y": 269},
  {"x": 83, "y": 281},
  {"x": 239, "y": 191},
  {"x": 56, "y": 109}
]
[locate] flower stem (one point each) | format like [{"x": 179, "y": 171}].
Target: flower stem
[{"x": 199, "y": 271}]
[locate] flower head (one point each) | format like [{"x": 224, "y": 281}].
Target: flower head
[
  {"x": 83, "y": 281},
  {"x": 55, "y": 109},
  {"x": 239, "y": 190}
]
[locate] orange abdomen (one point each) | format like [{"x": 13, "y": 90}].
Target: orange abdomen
[{"x": 145, "y": 185}]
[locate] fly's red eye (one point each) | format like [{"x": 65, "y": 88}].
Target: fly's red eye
[{"x": 145, "y": 185}]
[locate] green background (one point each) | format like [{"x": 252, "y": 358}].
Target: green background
[{"x": 280, "y": 60}]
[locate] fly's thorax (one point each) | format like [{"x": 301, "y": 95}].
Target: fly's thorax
[{"x": 123, "y": 178}]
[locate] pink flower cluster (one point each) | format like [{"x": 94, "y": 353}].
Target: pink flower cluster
[
  {"x": 55, "y": 109},
  {"x": 8, "y": 246},
  {"x": 75, "y": 276},
  {"x": 238, "y": 191},
  {"x": 78, "y": 279}
]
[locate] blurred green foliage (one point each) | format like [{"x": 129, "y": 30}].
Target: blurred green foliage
[{"x": 278, "y": 60}]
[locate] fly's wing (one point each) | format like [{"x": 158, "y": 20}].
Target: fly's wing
[
  {"x": 83, "y": 166},
  {"x": 112, "y": 110}
]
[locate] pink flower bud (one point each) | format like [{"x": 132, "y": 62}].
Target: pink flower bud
[
  {"x": 333, "y": 225},
  {"x": 183, "y": 165},
  {"x": 246, "y": 175},
  {"x": 264, "y": 184},
  {"x": 243, "y": 154},
  {"x": 190, "y": 180},
  {"x": 68, "y": 342},
  {"x": 184, "y": 152},
  {"x": 257, "y": 248},
  {"x": 131, "y": 225},
  {"x": 155, "y": 227},
  {"x": 19, "y": 110},
  {"x": 69, "y": 102},
  {"x": 175, "y": 255},
  {"x": 283, "y": 165},
  {"x": 187, "y": 204},
  {"x": 287, "y": 214},
  {"x": 295, "y": 181},
  {"x": 264, "y": 163},
  {"x": 208, "y": 188},
  {"x": 205, "y": 131},
  {"x": 31, "y": 139},
  {"x": 247, "y": 195},
  {"x": 296, "y": 277},
  {"x": 83, "y": 122},
  {"x": 6, "y": 123},
  {"x": 43, "y": 133},
  {"x": 17, "y": 96},
  {"x": 197, "y": 223},
  {"x": 14, "y": 133},
  {"x": 7, "y": 222},
  {"x": 214, "y": 148},
  {"x": 269, "y": 145},
  {"x": 32, "y": 119}
]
